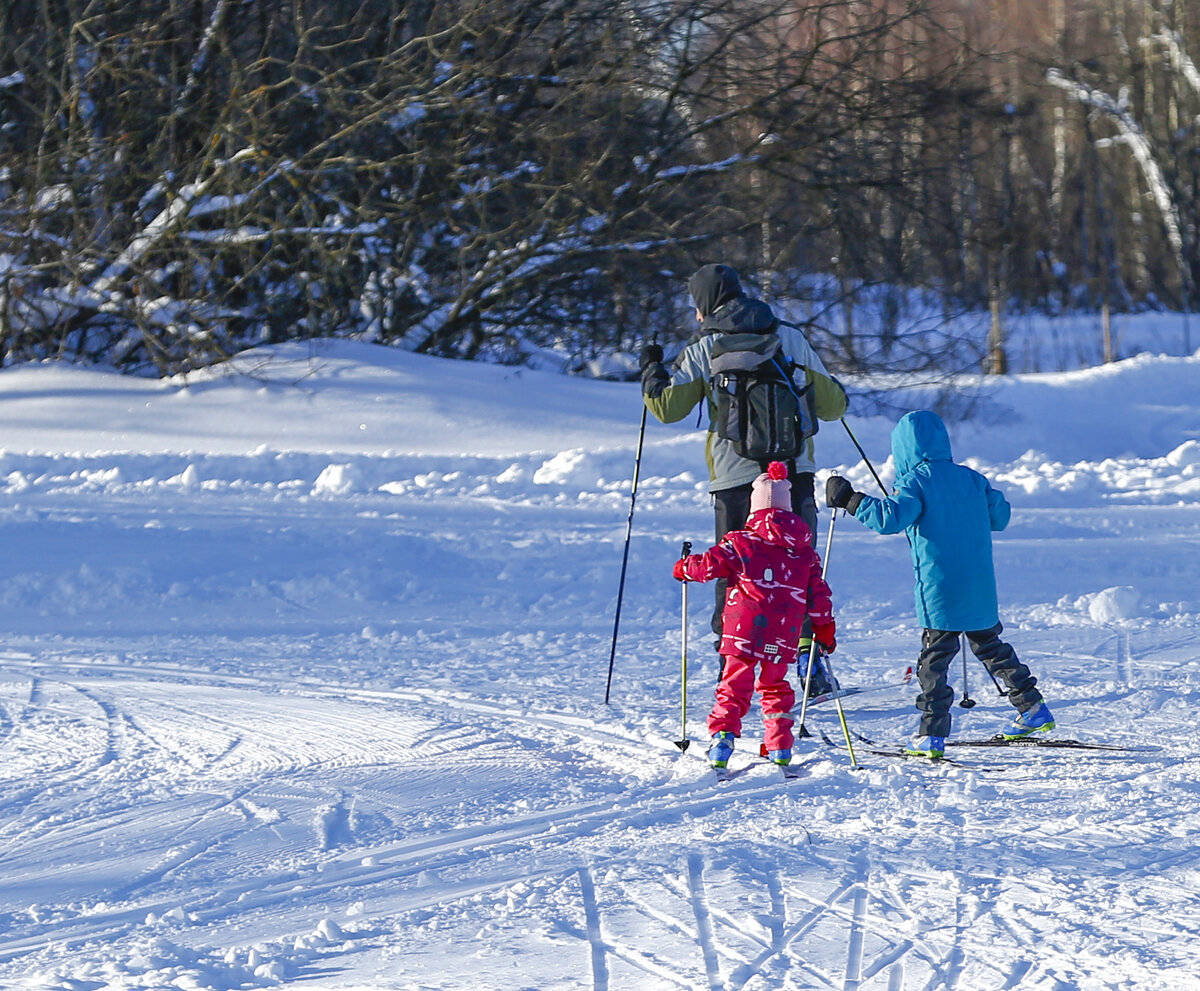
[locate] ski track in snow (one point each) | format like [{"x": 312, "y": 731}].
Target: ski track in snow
[
  {"x": 336, "y": 722},
  {"x": 747, "y": 914}
]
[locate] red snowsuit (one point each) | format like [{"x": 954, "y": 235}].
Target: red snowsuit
[{"x": 774, "y": 582}]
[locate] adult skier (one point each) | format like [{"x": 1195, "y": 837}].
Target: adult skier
[{"x": 723, "y": 308}]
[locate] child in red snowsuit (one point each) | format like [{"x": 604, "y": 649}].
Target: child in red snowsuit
[{"x": 774, "y": 583}]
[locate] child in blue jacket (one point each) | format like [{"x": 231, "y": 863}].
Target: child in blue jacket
[{"x": 949, "y": 512}]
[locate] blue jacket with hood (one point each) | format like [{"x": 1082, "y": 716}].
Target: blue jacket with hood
[{"x": 949, "y": 512}]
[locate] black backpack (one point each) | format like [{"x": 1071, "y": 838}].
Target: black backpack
[{"x": 765, "y": 406}]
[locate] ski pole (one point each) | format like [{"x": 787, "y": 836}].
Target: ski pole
[
  {"x": 684, "y": 742},
  {"x": 637, "y": 467},
  {"x": 812, "y": 655},
  {"x": 883, "y": 489},
  {"x": 812, "y": 649},
  {"x": 867, "y": 461},
  {"x": 828, "y": 666},
  {"x": 812, "y": 652}
]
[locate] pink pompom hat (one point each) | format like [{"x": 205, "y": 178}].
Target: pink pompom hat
[{"x": 772, "y": 490}]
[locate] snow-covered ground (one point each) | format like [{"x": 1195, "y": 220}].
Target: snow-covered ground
[{"x": 302, "y": 682}]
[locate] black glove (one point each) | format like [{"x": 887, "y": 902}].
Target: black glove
[
  {"x": 655, "y": 377},
  {"x": 839, "y": 493},
  {"x": 651, "y": 354}
]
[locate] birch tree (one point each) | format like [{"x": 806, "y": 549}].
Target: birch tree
[{"x": 1143, "y": 100}]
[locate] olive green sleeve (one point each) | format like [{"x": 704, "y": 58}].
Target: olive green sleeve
[
  {"x": 675, "y": 401},
  {"x": 828, "y": 395},
  {"x": 672, "y": 397}
]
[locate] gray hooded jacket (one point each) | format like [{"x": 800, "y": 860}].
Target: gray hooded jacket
[{"x": 718, "y": 295}]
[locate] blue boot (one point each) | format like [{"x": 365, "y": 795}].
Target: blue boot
[
  {"x": 821, "y": 683},
  {"x": 781, "y": 757},
  {"x": 927, "y": 746},
  {"x": 721, "y": 749},
  {"x": 1035, "y": 720}
]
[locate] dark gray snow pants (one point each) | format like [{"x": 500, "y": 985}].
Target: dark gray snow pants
[{"x": 938, "y": 649}]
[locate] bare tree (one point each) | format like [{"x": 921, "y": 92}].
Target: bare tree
[
  {"x": 180, "y": 179},
  {"x": 1125, "y": 164}
]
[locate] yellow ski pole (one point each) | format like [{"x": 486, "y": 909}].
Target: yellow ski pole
[{"x": 829, "y": 667}]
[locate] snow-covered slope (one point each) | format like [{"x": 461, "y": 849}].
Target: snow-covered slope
[{"x": 303, "y": 675}]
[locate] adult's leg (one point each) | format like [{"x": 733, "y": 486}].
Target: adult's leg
[
  {"x": 804, "y": 501},
  {"x": 732, "y": 508},
  {"x": 804, "y": 505},
  {"x": 938, "y": 648},
  {"x": 1002, "y": 661}
]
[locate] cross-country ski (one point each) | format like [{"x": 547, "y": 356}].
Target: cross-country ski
[{"x": 1052, "y": 743}]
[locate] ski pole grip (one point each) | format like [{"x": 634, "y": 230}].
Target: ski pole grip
[{"x": 687, "y": 549}]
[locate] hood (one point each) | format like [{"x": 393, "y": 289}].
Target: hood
[
  {"x": 919, "y": 436},
  {"x": 780, "y": 527},
  {"x": 740, "y": 316},
  {"x": 713, "y": 286}
]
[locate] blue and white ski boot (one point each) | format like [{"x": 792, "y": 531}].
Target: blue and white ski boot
[
  {"x": 1035, "y": 720},
  {"x": 927, "y": 746},
  {"x": 721, "y": 749}
]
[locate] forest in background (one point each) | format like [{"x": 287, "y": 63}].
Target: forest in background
[{"x": 484, "y": 179}]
